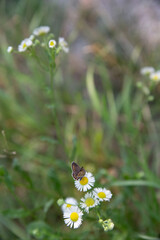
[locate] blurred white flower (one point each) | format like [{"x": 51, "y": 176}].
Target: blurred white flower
[
  {"x": 86, "y": 183},
  {"x": 24, "y": 45},
  {"x": 9, "y": 49},
  {"x": 73, "y": 217},
  {"x": 110, "y": 225},
  {"x": 155, "y": 77},
  {"x": 147, "y": 70},
  {"x": 63, "y": 44},
  {"x": 52, "y": 43},
  {"x": 42, "y": 30},
  {"x": 102, "y": 194},
  {"x": 31, "y": 37},
  {"x": 69, "y": 202},
  {"x": 89, "y": 201}
]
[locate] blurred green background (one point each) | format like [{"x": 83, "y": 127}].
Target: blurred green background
[{"x": 101, "y": 120}]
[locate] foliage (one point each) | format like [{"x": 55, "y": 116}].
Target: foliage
[{"x": 106, "y": 125}]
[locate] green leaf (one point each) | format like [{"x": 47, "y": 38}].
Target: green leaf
[
  {"x": 55, "y": 180},
  {"x": 74, "y": 149},
  {"x": 136, "y": 183},
  {"x": 47, "y": 205},
  {"x": 16, "y": 213},
  {"x": 41, "y": 231},
  {"x": 49, "y": 140},
  {"x": 142, "y": 236},
  {"x": 25, "y": 175},
  {"x": 92, "y": 91},
  {"x": 6, "y": 178},
  {"x": 14, "y": 228}
]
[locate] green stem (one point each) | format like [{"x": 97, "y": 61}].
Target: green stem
[
  {"x": 98, "y": 214},
  {"x": 53, "y": 99},
  {"x": 42, "y": 65}
]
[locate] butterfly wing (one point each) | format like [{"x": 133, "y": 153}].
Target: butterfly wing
[
  {"x": 77, "y": 172},
  {"x": 81, "y": 173}
]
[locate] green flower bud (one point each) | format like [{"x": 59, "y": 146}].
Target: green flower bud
[
  {"x": 60, "y": 202},
  {"x": 106, "y": 229}
]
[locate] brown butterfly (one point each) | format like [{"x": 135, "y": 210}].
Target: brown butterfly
[{"x": 77, "y": 171}]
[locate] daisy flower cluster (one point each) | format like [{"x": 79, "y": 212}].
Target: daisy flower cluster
[
  {"x": 151, "y": 73},
  {"x": 150, "y": 80},
  {"x": 41, "y": 36},
  {"x": 74, "y": 211}
]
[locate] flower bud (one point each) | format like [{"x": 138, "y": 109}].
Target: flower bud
[
  {"x": 60, "y": 202},
  {"x": 100, "y": 220},
  {"x": 110, "y": 225}
]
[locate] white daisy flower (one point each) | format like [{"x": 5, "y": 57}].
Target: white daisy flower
[
  {"x": 86, "y": 183},
  {"x": 52, "y": 43},
  {"x": 69, "y": 202},
  {"x": 102, "y": 194},
  {"x": 73, "y": 217},
  {"x": 155, "y": 77},
  {"x": 24, "y": 45},
  {"x": 63, "y": 44},
  {"x": 147, "y": 70},
  {"x": 9, "y": 49},
  {"x": 42, "y": 30},
  {"x": 89, "y": 201}
]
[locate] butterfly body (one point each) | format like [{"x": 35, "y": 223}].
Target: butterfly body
[{"x": 77, "y": 171}]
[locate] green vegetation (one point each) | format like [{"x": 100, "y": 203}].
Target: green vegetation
[{"x": 98, "y": 118}]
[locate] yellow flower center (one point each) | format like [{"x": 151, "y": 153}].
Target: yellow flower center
[
  {"x": 155, "y": 78},
  {"x": 68, "y": 205},
  {"x": 89, "y": 202},
  {"x": 52, "y": 43},
  {"x": 84, "y": 181},
  {"x": 101, "y": 195},
  {"x": 74, "y": 216},
  {"x": 41, "y": 32},
  {"x": 24, "y": 45}
]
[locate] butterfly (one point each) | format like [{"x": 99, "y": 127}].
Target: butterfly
[{"x": 77, "y": 171}]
